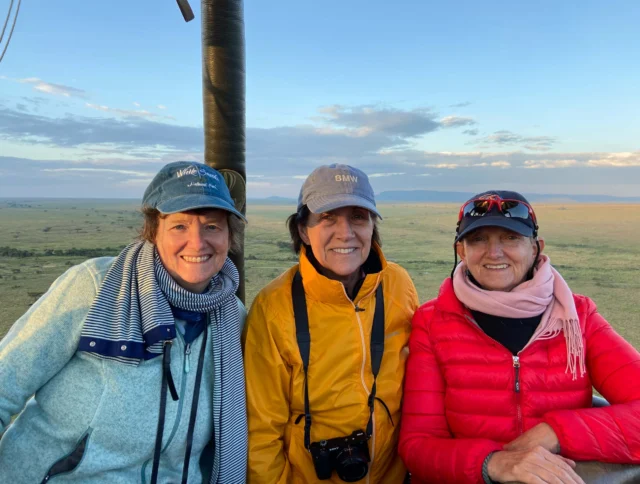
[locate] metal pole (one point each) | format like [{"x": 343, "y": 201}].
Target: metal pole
[{"x": 223, "y": 77}]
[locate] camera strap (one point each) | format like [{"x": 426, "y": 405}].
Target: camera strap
[{"x": 303, "y": 338}]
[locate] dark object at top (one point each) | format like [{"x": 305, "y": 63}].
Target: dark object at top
[
  {"x": 186, "y": 11},
  {"x": 497, "y": 208}
]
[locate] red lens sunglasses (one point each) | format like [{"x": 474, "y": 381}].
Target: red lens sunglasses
[{"x": 479, "y": 207}]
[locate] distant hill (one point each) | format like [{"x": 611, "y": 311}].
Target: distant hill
[
  {"x": 391, "y": 196},
  {"x": 434, "y": 196},
  {"x": 422, "y": 196},
  {"x": 457, "y": 197},
  {"x": 272, "y": 201}
]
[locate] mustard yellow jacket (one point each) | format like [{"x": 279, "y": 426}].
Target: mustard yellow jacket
[{"x": 340, "y": 375}]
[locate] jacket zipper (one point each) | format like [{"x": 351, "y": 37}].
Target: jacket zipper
[
  {"x": 187, "y": 354},
  {"x": 516, "y": 368},
  {"x": 176, "y": 423},
  {"x": 357, "y": 309},
  {"x": 83, "y": 442},
  {"x": 373, "y": 417}
]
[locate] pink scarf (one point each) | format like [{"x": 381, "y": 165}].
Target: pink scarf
[{"x": 546, "y": 293}]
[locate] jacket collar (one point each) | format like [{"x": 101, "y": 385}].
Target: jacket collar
[
  {"x": 321, "y": 288},
  {"x": 447, "y": 300}
]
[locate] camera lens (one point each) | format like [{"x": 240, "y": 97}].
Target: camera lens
[{"x": 352, "y": 464}]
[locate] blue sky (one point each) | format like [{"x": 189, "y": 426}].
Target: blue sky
[{"x": 539, "y": 97}]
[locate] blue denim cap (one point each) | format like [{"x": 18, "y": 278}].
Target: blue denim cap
[
  {"x": 335, "y": 186},
  {"x": 187, "y": 185}
]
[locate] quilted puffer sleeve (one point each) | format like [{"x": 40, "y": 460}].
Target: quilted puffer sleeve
[
  {"x": 268, "y": 382},
  {"x": 426, "y": 446},
  {"x": 607, "y": 434}
]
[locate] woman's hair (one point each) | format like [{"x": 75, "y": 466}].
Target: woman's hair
[
  {"x": 152, "y": 218},
  {"x": 301, "y": 217}
]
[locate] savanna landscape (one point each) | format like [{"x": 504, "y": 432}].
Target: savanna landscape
[{"x": 594, "y": 246}]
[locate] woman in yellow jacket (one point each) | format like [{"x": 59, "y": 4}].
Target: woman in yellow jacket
[{"x": 346, "y": 339}]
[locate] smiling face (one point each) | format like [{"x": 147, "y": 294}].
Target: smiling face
[
  {"x": 497, "y": 258},
  {"x": 193, "y": 246},
  {"x": 340, "y": 241}
]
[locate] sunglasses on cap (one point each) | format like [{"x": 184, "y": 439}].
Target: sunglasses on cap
[{"x": 512, "y": 208}]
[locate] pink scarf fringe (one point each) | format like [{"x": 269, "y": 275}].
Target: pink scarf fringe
[{"x": 547, "y": 294}]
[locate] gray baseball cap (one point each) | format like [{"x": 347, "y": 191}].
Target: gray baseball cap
[
  {"x": 187, "y": 185},
  {"x": 335, "y": 186}
]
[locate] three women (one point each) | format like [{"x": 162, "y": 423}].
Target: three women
[{"x": 498, "y": 382}]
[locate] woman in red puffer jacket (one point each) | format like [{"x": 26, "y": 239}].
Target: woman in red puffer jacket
[{"x": 502, "y": 363}]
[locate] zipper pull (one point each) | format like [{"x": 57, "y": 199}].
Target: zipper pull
[
  {"x": 516, "y": 366},
  {"x": 358, "y": 309},
  {"x": 187, "y": 352}
]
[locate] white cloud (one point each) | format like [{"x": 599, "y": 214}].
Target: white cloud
[
  {"x": 139, "y": 183},
  {"x": 617, "y": 160},
  {"x": 446, "y": 166},
  {"x": 507, "y": 138},
  {"x": 461, "y": 105},
  {"x": 378, "y": 141},
  {"x": 464, "y": 161},
  {"x": 125, "y": 177},
  {"x": 100, "y": 170},
  {"x": 353, "y": 133},
  {"x": 143, "y": 113},
  {"x": 541, "y": 147},
  {"x": 53, "y": 89},
  {"x": 550, "y": 163},
  {"x": 161, "y": 106},
  {"x": 456, "y": 121},
  {"x": 457, "y": 154},
  {"x": 382, "y": 120},
  {"x": 136, "y": 104},
  {"x": 378, "y": 175}
]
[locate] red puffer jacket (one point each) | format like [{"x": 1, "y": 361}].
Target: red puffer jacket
[{"x": 466, "y": 395}]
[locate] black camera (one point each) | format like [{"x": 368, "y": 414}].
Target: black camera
[{"x": 349, "y": 456}]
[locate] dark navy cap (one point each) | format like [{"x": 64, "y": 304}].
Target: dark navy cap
[
  {"x": 187, "y": 185},
  {"x": 495, "y": 218},
  {"x": 335, "y": 186}
]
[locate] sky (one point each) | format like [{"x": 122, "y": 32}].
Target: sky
[{"x": 538, "y": 97}]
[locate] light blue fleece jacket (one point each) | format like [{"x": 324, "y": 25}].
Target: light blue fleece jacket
[{"x": 115, "y": 406}]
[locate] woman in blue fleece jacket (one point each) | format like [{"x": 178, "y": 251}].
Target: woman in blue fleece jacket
[{"x": 126, "y": 358}]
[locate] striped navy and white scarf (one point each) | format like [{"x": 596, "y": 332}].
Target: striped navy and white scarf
[{"x": 131, "y": 316}]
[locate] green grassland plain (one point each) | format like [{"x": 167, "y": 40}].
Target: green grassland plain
[{"x": 595, "y": 248}]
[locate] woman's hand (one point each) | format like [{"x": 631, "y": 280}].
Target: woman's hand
[
  {"x": 541, "y": 435},
  {"x": 533, "y": 466}
]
